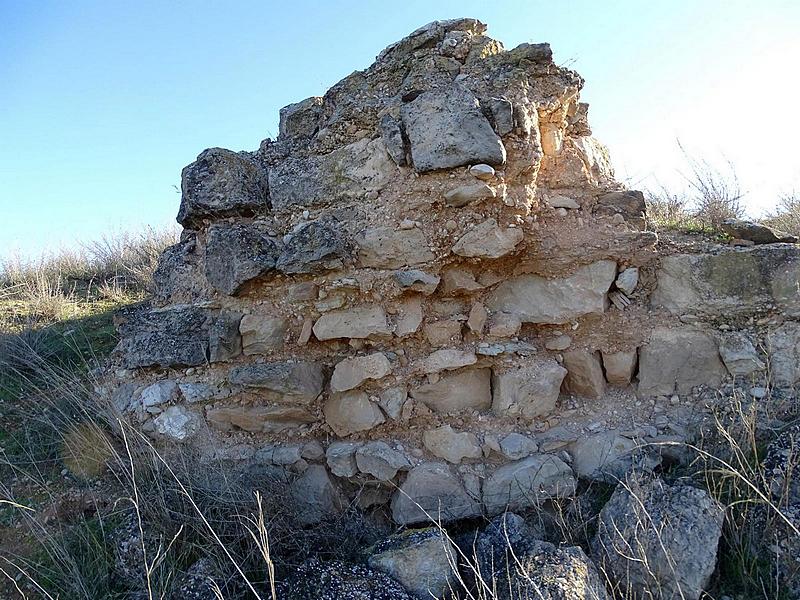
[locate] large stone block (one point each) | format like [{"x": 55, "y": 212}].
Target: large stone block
[
  {"x": 314, "y": 247},
  {"x": 432, "y": 492},
  {"x": 236, "y": 254},
  {"x": 351, "y": 412},
  {"x": 284, "y": 380},
  {"x": 169, "y": 337},
  {"x": 463, "y": 390},
  {"x": 783, "y": 344},
  {"x": 359, "y": 322},
  {"x": 530, "y": 391},
  {"x": 734, "y": 282},
  {"x": 536, "y": 299},
  {"x": 262, "y": 334},
  {"x": 386, "y": 248},
  {"x": 225, "y": 342},
  {"x": 222, "y": 183},
  {"x": 584, "y": 373},
  {"x": 527, "y": 483},
  {"x": 488, "y": 240},
  {"x": 678, "y": 359},
  {"x": 258, "y": 419},
  {"x": 447, "y": 129},
  {"x": 620, "y": 366},
  {"x": 300, "y": 120},
  {"x": 352, "y": 372}
]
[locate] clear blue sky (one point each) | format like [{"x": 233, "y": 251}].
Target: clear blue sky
[{"x": 103, "y": 102}]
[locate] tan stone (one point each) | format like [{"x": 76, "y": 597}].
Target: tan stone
[
  {"x": 352, "y": 372},
  {"x": 447, "y": 359},
  {"x": 451, "y": 445},
  {"x": 584, "y": 373},
  {"x": 488, "y": 240},
  {"x": 258, "y": 419},
  {"x": 620, "y": 366},
  {"x": 503, "y": 324},
  {"x": 443, "y": 333},
  {"x": 351, "y": 412},
  {"x": 385, "y": 248},
  {"x": 359, "y": 322},
  {"x": 529, "y": 391},
  {"x": 466, "y": 194},
  {"x": 410, "y": 316},
  {"x": 477, "y": 318},
  {"x": 262, "y": 334},
  {"x": 470, "y": 389},
  {"x": 459, "y": 281}
]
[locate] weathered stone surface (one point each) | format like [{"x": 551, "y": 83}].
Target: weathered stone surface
[
  {"x": 457, "y": 281},
  {"x": 658, "y": 539},
  {"x": 262, "y": 334},
  {"x": 236, "y": 254},
  {"x": 517, "y": 565},
  {"x": 783, "y": 344},
  {"x": 530, "y": 391},
  {"x": 392, "y": 400},
  {"x": 446, "y": 129},
  {"x": 225, "y": 341},
  {"x": 352, "y": 372},
  {"x": 488, "y": 240},
  {"x": 341, "y": 458},
  {"x": 158, "y": 393},
  {"x": 470, "y": 389},
  {"x": 447, "y": 359},
  {"x": 301, "y": 119},
  {"x": 739, "y": 354},
  {"x": 630, "y": 204},
  {"x": 351, "y": 412},
  {"x": 620, "y": 366},
  {"x": 503, "y": 324},
  {"x": 482, "y": 171},
  {"x": 538, "y": 300},
  {"x": 609, "y": 456},
  {"x": 527, "y": 483},
  {"x": 443, "y": 333},
  {"x": 175, "y": 277},
  {"x": 451, "y": 445},
  {"x": 734, "y": 282},
  {"x": 584, "y": 373},
  {"x": 781, "y": 465},
  {"x": 315, "y": 496},
  {"x": 177, "y": 423},
  {"x": 421, "y": 560},
  {"x": 386, "y": 248},
  {"x": 258, "y": 419},
  {"x": 755, "y": 232},
  {"x": 314, "y": 247},
  {"x": 558, "y": 343},
  {"x": 392, "y": 136},
  {"x": 357, "y": 322},
  {"x": 627, "y": 280},
  {"x": 409, "y": 316},
  {"x": 678, "y": 359},
  {"x": 477, "y": 318},
  {"x": 380, "y": 460},
  {"x": 222, "y": 183},
  {"x": 345, "y": 174},
  {"x": 173, "y": 336},
  {"x": 467, "y": 194},
  {"x": 516, "y": 446},
  {"x": 432, "y": 491},
  {"x": 417, "y": 281},
  {"x": 315, "y": 580},
  {"x": 288, "y": 381}
]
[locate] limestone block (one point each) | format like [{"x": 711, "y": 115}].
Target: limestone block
[
  {"x": 352, "y": 372},
  {"x": 386, "y": 248},
  {"x": 527, "y": 483},
  {"x": 620, "y": 366},
  {"x": 443, "y": 333},
  {"x": 357, "y": 322},
  {"x": 530, "y": 391},
  {"x": 739, "y": 354},
  {"x": 447, "y": 359},
  {"x": 282, "y": 380},
  {"x": 315, "y": 496},
  {"x": 470, "y": 389},
  {"x": 783, "y": 344},
  {"x": 341, "y": 458},
  {"x": 237, "y": 254},
  {"x": 432, "y": 491},
  {"x": 177, "y": 423},
  {"x": 459, "y": 281},
  {"x": 417, "y": 281},
  {"x": 351, "y": 412},
  {"x": 225, "y": 341},
  {"x": 488, "y": 240},
  {"x": 584, "y": 373},
  {"x": 258, "y": 419},
  {"x": 467, "y": 194},
  {"x": 301, "y": 119},
  {"x": 262, "y": 334},
  {"x": 314, "y": 247},
  {"x": 409, "y": 316},
  {"x": 380, "y": 460},
  {"x": 451, "y": 445}
]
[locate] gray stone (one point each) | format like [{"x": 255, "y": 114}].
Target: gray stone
[
  {"x": 451, "y": 445},
  {"x": 446, "y": 129},
  {"x": 341, "y": 458},
  {"x": 392, "y": 136},
  {"x": 516, "y": 446},
  {"x": 529, "y": 391},
  {"x": 620, "y": 366},
  {"x": 169, "y": 337},
  {"x": 262, "y": 334},
  {"x": 783, "y": 344},
  {"x": 314, "y": 496},
  {"x": 237, "y": 254},
  {"x": 432, "y": 492},
  {"x": 609, "y": 456},
  {"x": 421, "y": 560},
  {"x": 225, "y": 341},
  {"x": 459, "y": 281},
  {"x": 351, "y": 412},
  {"x": 392, "y": 400},
  {"x": 658, "y": 539},
  {"x": 678, "y": 359},
  {"x": 409, "y": 316},
  {"x": 386, "y": 248},
  {"x": 222, "y": 183},
  {"x": 352, "y": 372},
  {"x": 358, "y": 322},
  {"x": 334, "y": 579},
  {"x": 516, "y": 565},
  {"x": 488, "y": 240},
  {"x": 755, "y": 232},
  {"x": 739, "y": 354},
  {"x": 627, "y": 281},
  {"x": 558, "y": 343},
  {"x": 584, "y": 373},
  {"x": 538, "y": 300},
  {"x": 470, "y": 389},
  {"x": 280, "y": 455},
  {"x": 417, "y": 281},
  {"x": 527, "y": 483},
  {"x": 731, "y": 283},
  {"x": 314, "y": 247},
  {"x": 175, "y": 278},
  {"x": 177, "y": 423},
  {"x": 313, "y": 450},
  {"x": 283, "y": 380},
  {"x": 301, "y": 119},
  {"x": 447, "y": 359},
  {"x": 561, "y": 201},
  {"x": 158, "y": 393},
  {"x": 467, "y": 194},
  {"x": 629, "y": 203},
  {"x": 380, "y": 460},
  {"x": 482, "y": 171},
  {"x": 502, "y": 114}
]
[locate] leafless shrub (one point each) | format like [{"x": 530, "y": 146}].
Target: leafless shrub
[{"x": 785, "y": 216}]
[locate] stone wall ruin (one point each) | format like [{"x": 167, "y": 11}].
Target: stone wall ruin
[{"x": 430, "y": 294}]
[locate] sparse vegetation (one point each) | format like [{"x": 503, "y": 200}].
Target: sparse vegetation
[{"x": 786, "y": 215}]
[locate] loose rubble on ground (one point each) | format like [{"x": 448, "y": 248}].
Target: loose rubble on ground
[{"x": 430, "y": 298}]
